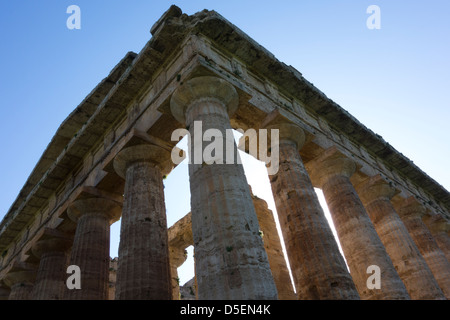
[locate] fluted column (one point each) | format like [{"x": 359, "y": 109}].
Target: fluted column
[
  {"x": 376, "y": 193},
  {"x": 231, "y": 262},
  {"x": 90, "y": 250},
  {"x": 439, "y": 228},
  {"x": 411, "y": 213},
  {"x": 21, "y": 280},
  {"x": 272, "y": 244},
  {"x": 317, "y": 266},
  {"x": 360, "y": 242},
  {"x": 52, "y": 273},
  {"x": 144, "y": 270}
]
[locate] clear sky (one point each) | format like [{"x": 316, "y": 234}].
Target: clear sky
[{"x": 394, "y": 80}]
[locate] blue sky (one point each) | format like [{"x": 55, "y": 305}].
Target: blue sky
[{"x": 394, "y": 80}]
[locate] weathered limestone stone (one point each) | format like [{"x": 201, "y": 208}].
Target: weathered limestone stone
[
  {"x": 360, "y": 242},
  {"x": 180, "y": 237},
  {"x": 411, "y": 213},
  {"x": 195, "y": 279},
  {"x": 21, "y": 280},
  {"x": 52, "y": 250},
  {"x": 231, "y": 262},
  {"x": 272, "y": 244},
  {"x": 112, "y": 278},
  {"x": 187, "y": 291},
  {"x": 177, "y": 258},
  {"x": 439, "y": 228},
  {"x": 317, "y": 266},
  {"x": 143, "y": 270},
  {"x": 90, "y": 250},
  {"x": 376, "y": 193}
]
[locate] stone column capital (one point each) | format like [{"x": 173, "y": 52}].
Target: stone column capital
[
  {"x": 180, "y": 233},
  {"x": 177, "y": 256},
  {"x": 20, "y": 273},
  {"x": 101, "y": 206},
  {"x": 329, "y": 164},
  {"x": 288, "y": 131},
  {"x": 156, "y": 155},
  {"x": 410, "y": 207},
  {"x": 375, "y": 188},
  {"x": 201, "y": 88},
  {"x": 51, "y": 241}
]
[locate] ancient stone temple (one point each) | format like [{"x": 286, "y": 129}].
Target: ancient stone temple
[{"x": 108, "y": 159}]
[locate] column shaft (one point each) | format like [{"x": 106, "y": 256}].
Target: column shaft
[
  {"x": 375, "y": 194},
  {"x": 317, "y": 266},
  {"x": 272, "y": 244},
  {"x": 439, "y": 228},
  {"x": 51, "y": 278},
  {"x": 144, "y": 270},
  {"x": 360, "y": 242},
  {"x": 21, "y": 291},
  {"x": 180, "y": 238},
  {"x": 90, "y": 250},
  {"x": 443, "y": 241},
  {"x": 177, "y": 258},
  {"x": 435, "y": 258},
  {"x": 231, "y": 262},
  {"x": 52, "y": 250}
]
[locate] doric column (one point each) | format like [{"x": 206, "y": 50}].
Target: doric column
[
  {"x": 439, "y": 228},
  {"x": 20, "y": 279},
  {"x": 144, "y": 270},
  {"x": 360, "y": 242},
  {"x": 180, "y": 237},
  {"x": 411, "y": 213},
  {"x": 51, "y": 249},
  {"x": 231, "y": 262},
  {"x": 90, "y": 250},
  {"x": 272, "y": 244},
  {"x": 317, "y": 266},
  {"x": 177, "y": 258},
  {"x": 376, "y": 193}
]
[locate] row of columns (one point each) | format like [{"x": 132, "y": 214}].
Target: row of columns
[
  {"x": 317, "y": 266},
  {"x": 231, "y": 260},
  {"x": 411, "y": 267},
  {"x": 412, "y": 212}
]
